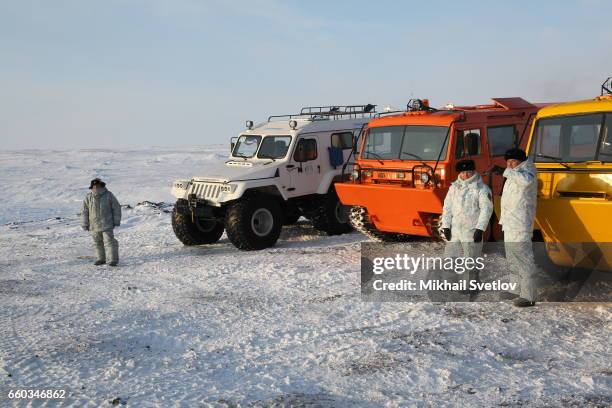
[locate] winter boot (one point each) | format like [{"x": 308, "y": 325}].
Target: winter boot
[
  {"x": 114, "y": 263},
  {"x": 97, "y": 263}
]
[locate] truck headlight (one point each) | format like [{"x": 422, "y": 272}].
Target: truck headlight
[{"x": 425, "y": 178}]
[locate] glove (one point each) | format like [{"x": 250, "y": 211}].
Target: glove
[
  {"x": 497, "y": 170},
  {"x": 478, "y": 235},
  {"x": 85, "y": 227},
  {"x": 447, "y": 233}
]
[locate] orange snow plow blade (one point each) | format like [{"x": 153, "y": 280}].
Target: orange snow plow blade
[{"x": 413, "y": 211}]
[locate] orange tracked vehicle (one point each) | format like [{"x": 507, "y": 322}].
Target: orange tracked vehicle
[{"x": 406, "y": 162}]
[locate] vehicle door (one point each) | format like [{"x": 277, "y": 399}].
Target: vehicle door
[{"x": 304, "y": 167}]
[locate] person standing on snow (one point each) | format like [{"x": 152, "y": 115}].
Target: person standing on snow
[
  {"x": 518, "y": 207},
  {"x": 100, "y": 215},
  {"x": 466, "y": 213},
  {"x": 467, "y": 206}
]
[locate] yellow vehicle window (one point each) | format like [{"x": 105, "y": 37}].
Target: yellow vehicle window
[
  {"x": 605, "y": 149},
  {"x": 568, "y": 138}
]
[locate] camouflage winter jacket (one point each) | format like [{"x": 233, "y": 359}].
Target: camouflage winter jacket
[
  {"x": 467, "y": 206},
  {"x": 101, "y": 211},
  {"x": 519, "y": 198}
]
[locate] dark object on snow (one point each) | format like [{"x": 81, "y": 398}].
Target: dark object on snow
[
  {"x": 465, "y": 165},
  {"x": 478, "y": 235},
  {"x": 521, "y": 302},
  {"x": 162, "y": 206},
  {"x": 96, "y": 182},
  {"x": 517, "y": 154},
  {"x": 118, "y": 401},
  {"x": 153, "y": 204},
  {"x": 113, "y": 264},
  {"x": 97, "y": 263},
  {"x": 447, "y": 233}
]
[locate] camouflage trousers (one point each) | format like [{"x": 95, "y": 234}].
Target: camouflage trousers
[
  {"x": 106, "y": 244},
  {"x": 521, "y": 262}
]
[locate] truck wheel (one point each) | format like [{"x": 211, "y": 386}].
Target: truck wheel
[
  {"x": 331, "y": 216},
  {"x": 254, "y": 222},
  {"x": 199, "y": 232},
  {"x": 360, "y": 220}
]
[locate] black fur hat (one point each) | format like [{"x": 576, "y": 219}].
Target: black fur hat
[
  {"x": 517, "y": 154},
  {"x": 96, "y": 182},
  {"x": 465, "y": 165}
]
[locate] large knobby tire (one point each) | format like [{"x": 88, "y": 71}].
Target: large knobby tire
[
  {"x": 331, "y": 216},
  {"x": 360, "y": 220},
  {"x": 195, "y": 232},
  {"x": 254, "y": 222}
]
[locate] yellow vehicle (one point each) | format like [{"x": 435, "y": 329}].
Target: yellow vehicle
[{"x": 571, "y": 145}]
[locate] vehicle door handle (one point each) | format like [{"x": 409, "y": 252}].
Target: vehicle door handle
[{"x": 290, "y": 166}]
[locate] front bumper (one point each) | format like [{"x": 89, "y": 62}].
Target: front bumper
[
  {"x": 396, "y": 209},
  {"x": 194, "y": 206}
]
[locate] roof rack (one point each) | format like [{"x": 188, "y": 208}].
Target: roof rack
[
  {"x": 413, "y": 105},
  {"x": 331, "y": 112},
  {"x": 606, "y": 87}
]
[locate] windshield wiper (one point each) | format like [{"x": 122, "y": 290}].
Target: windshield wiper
[
  {"x": 557, "y": 159},
  {"x": 413, "y": 155},
  {"x": 416, "y": 156},
  {"x": 377, "y": 157},
  {"x": 272, "y": 159}
]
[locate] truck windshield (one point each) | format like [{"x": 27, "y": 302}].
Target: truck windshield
[
  {"x": 246, "y": 146},
  {"x": 406, "y": 143},
  {"x": 274, "y": 147},
  {"x": 572, "y": 139}
]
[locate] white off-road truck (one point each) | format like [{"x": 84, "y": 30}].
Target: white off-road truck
[{"x": 277, "y": 171}]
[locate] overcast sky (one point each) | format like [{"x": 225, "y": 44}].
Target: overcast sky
[{"x": 127, "y": 73}]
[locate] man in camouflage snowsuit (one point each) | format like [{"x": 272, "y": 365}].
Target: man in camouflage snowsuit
[
  {"x": 466, "y": 213},
  {"x": 100, "y": 215},
  {"x": 518, "y": 207}
]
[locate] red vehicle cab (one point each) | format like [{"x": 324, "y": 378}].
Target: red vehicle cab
[{"x": 406, "y": 162}]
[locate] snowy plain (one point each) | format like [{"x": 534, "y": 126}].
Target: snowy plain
[{"x": 212, "y": 326}]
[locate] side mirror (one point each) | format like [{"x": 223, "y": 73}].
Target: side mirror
[{"x": 472, "y": 144}]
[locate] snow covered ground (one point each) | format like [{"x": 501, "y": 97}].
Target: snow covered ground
[{"x": 180, "y": 326}]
